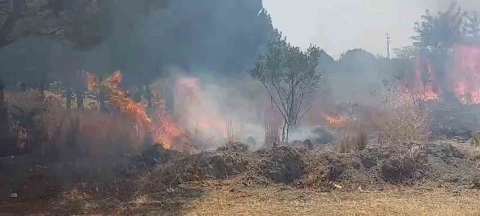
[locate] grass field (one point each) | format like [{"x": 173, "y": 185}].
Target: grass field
[{"x": 288, "y": 201}]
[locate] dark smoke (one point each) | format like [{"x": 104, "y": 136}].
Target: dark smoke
[{"x": 219, "y": 36}]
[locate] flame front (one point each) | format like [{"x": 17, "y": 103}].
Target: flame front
[
  {"x": 164, "y": 130},
  {"x": 335, "y": 121},
  {"x": 466, "y": 74}
]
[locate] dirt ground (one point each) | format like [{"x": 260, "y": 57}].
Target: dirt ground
[
  {"x": 290, "y": 201},
  {"x": 229, "y": 198},
  {"x": 234, "y": 181}
]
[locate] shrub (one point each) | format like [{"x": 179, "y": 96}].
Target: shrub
[{"x": 400, "y": 119}]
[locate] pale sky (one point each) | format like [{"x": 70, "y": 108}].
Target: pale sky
[{"x": 340, "y": 25}]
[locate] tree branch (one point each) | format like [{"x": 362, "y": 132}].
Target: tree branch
[
  {"x": 273, "y": 100},
  {"x": 301, "y": 117}
]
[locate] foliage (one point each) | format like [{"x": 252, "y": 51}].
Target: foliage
[
  {"x": 439, "y": 33},
  {"x": 472, "y": 25}
]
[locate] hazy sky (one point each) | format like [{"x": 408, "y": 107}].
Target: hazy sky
[{"x": 339, "y": 25}]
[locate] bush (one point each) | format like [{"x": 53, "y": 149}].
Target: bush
[{"x": 400, "y": 121}]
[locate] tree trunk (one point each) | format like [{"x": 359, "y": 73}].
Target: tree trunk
[
  {"x": 288, "y": 131},
  {"x": 7, "y": 146},
  {"x": 170, "y": 97},
  {"x": 68, "y": 96},
  {"x": 149, "y": 96},
  {"x": 79, "y": 95},
  {"x": 9, "y": 23},
  {"x": 4, "y": 128},
  {"x": 41, "y": 90},
  {"x": 102, "y": 96}
]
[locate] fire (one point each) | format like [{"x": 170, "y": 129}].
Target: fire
[
  {"x": 195, "y": 111},
  {"x": 335, "y": 120},
  {"x": 422, "y": 87},
  {"x": 466, "y": 74},
  {"x": 164, "y": 130}
]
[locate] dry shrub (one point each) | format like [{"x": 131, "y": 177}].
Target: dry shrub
[
  {"x": 353, "y": 137},
  {"x": 34, "y": 116},
  {"x": 272, "y": 128},
  {"x": 400, "y": 120},
  {"x": 403, "y": 164},
  {"x": 224, "y": 163},
  {"x": 282, "y": 165},
  {"x": 92, "y": 133}
]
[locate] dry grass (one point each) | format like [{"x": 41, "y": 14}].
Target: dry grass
[
  {"x": 232, "y": 130},
  {"x": 82, "y": 133},
  {"x": 353, "y": 137},
  {"x": 48, "y": 125},
  {"x": 290, "y": 201},
  {"x": 272, "y": 129}
]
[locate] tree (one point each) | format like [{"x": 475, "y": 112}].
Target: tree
[
  {"x": 84, "y": 24},
  {"x": 434, "y": 41},
  {"x": 472, "y": 25},
  {"x": 437, "y": 34},
  {"x": 290, "y": 76}
]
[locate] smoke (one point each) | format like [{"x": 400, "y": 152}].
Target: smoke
[
  {"x": 215, "y": 110},
  {"x": 442, "y": 5},
  {"x": 218, "y": 36}
]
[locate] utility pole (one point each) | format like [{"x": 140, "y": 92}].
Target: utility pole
[{"x": 388, "y": 45}]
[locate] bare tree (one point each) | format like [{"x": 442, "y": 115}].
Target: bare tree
[{"x": 290, "y": 76}]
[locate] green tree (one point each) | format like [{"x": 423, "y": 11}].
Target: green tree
[
  {"x": 437, "y": 34},
  {"x": 472, "y": 25},
  {"x": 290, "y": 76}
]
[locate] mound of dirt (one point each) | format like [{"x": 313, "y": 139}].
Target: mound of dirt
[
  {"x": 446, "y": 163},
  {"x": 235, "y": 147},
  {"x": 398, "y": 169},
  {"x": 231, "y": 160},
  {"x": 156, "y": 154},
  {"x": 439, "y": 163},
  {"x": 282, "y": 165}
]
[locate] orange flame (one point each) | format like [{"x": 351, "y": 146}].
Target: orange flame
[
  {"x": 334, "y": 121},
  {"x": 164, "y": 131},
  {"x": 466, "y": 74}
]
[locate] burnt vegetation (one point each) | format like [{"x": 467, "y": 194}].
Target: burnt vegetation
[{"x": 103, "y": 109}]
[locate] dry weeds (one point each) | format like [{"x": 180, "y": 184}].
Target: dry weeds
[
  {"x": 280, "y": 200},
  {"x": 400, "y": 120},
  {"x": 353, "y": 137}
]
